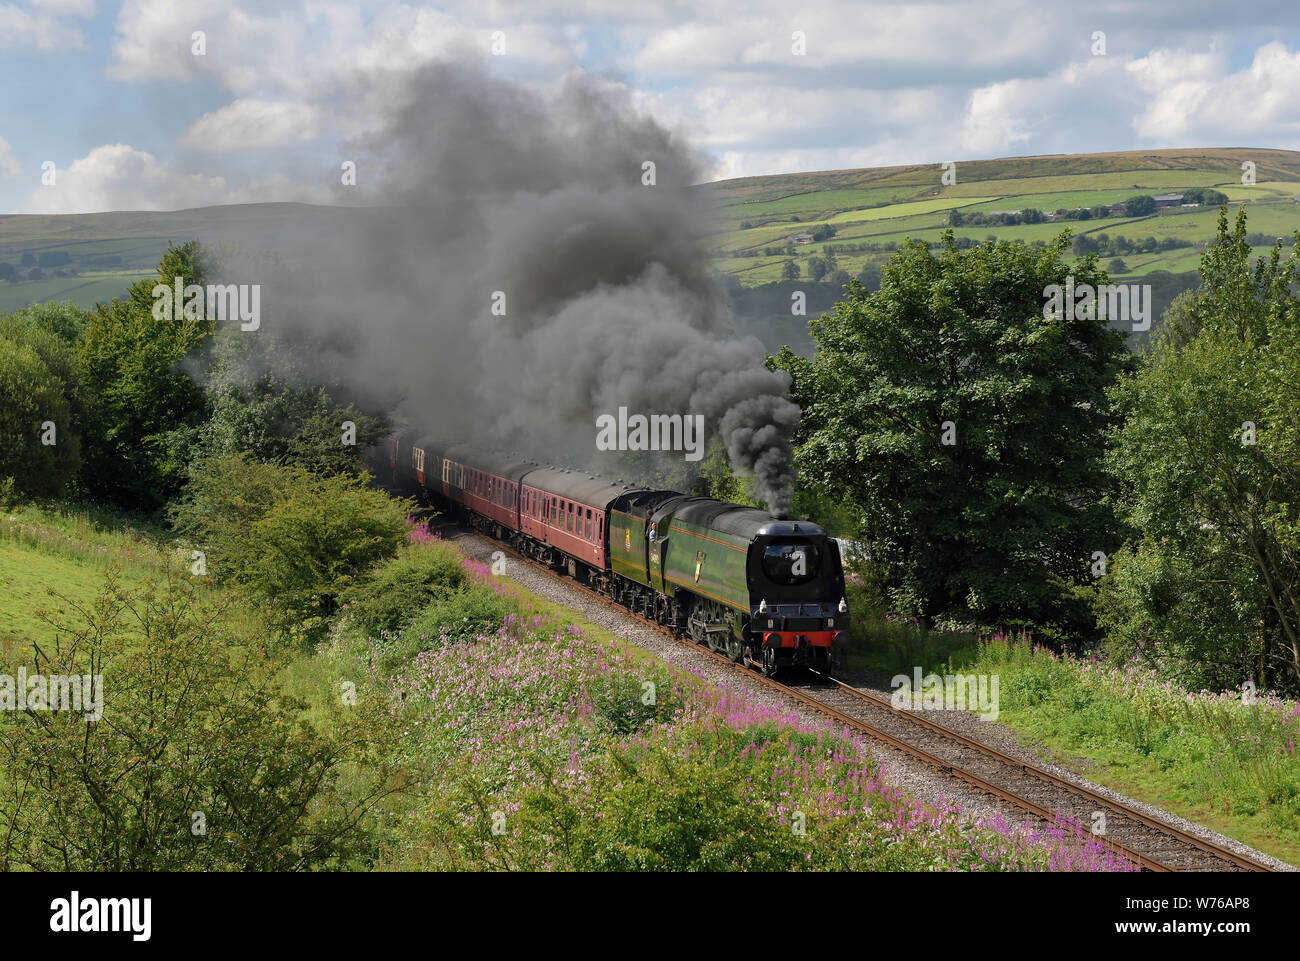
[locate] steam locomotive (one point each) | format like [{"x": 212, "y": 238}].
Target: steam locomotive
[{"x": 733, "y": 578}]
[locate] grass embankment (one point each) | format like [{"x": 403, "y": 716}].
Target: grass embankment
[
  {"x": 1219, "y": 759},
  {"x": 515, "y": 735},
  {"x": 70, "y": 553}
]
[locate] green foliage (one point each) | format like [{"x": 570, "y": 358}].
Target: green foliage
[
  {"x": 289, "y": 537},
  {"x": 264, "y": 403},
  {"x": 1141, "y": 206},
  {"x": 461, "y": 615},
  {"x": 386, "y": 598},
  {"x": 659, "y": 812},
  {"x": 1000, "y": 526},
  {"x": 140, "y": 394},
  {"x": 1207, "y": 466},
  {"x": 193, "y": 720},
  {"x": 10, "y": 496},
  {"x": 716, "y": 479},
  {"x": 1179, "y": 324},
  {"x": 66, "y": 321},
  {"x": 32, "y": 395},
  {"x": 1206, "y": 196}
]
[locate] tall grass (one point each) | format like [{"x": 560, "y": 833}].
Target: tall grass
[
  {"x": 1227, "y": 750},
  {"x": 92, "y": 536}
]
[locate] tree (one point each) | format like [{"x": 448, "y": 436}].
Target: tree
[
  {"x": 965, "y": 430},
  {"x": 132, "y": 364},
  {"x": 869, "y": 277},
  {"x": 1207, "y": 467},
  {"x": 66, "y": 321},
  {"x": 264, "y": 403},
  {"x": 1117, "y": 266},
  {"x": 1179, "y": 323},
  {"x": 789, "y": 270},
  {"x": 1141, "y": 206},
  {"x": 39, "y": 446}
]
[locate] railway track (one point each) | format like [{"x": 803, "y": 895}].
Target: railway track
[{"x": 1148, "y": 842}]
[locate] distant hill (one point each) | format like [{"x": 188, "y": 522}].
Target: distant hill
[
  {"x": 829, "y": 225},
  {"x": 107, "y": 252},
  {"x": 836, "y": 224}
]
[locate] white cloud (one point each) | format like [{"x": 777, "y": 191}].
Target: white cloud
[
  {"x": 242, "y": 48},
  {"x": 71, "y": 8},
  {"x": 9, "y": 165},
  {"x": 23, "y": 29},
  {"x": 881, "y": 83},
  {"x": 254, "y": 125},
  {"x": 119, "y": 177},
  {"x": 1193, "y": 96}
]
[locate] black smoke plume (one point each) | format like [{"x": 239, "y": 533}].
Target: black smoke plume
[{"x": 469, "y": 185}]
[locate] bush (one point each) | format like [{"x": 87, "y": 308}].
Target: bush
[
  {"x": 387, "y": 598},
  {"x": 463, "y": 615},
  {"x": 295, "y": 540},
  {"x": 197, "y": 762}
]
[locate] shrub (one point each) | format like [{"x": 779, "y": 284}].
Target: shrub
[
  {"x": 463, "y": 615},
  {"x": 194, "y": 722},
  {"x": 387, "y": 598},
  {"x": 290, "y": 538}
]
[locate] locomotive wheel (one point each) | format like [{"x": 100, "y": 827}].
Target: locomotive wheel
[
  {"x": 769, "y": 662},
  {"x": 711, "y": 638},
  {"x": 735, "y": 648}
]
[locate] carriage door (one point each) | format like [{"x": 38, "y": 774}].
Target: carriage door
[
  {"x": 658, "y": 553},
  {"x": 417, "y": 461}
]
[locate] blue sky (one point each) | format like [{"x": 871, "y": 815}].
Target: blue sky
[{"x": 112, "y": 94}]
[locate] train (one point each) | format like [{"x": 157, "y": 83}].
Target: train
[{"x": 760, "y": 589}]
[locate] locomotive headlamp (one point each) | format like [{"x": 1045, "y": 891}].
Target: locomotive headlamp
[
  {"x": 844, "y": 607},
  {"x": 762, "y": 606}
]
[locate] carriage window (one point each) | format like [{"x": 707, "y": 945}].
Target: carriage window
[{"x": 586, "y": 527}]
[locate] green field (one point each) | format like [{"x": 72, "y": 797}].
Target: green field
[{"x": 889, "y": 205}]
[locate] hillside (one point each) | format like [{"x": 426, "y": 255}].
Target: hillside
[
  {"x": 90, "y": 257},
  {"x": 873, "y": 210}
]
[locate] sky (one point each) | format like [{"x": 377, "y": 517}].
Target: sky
[{"x": 134, "y": 113}]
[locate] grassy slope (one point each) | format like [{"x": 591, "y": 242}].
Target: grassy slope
[{"x": 890, "y": 204}]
